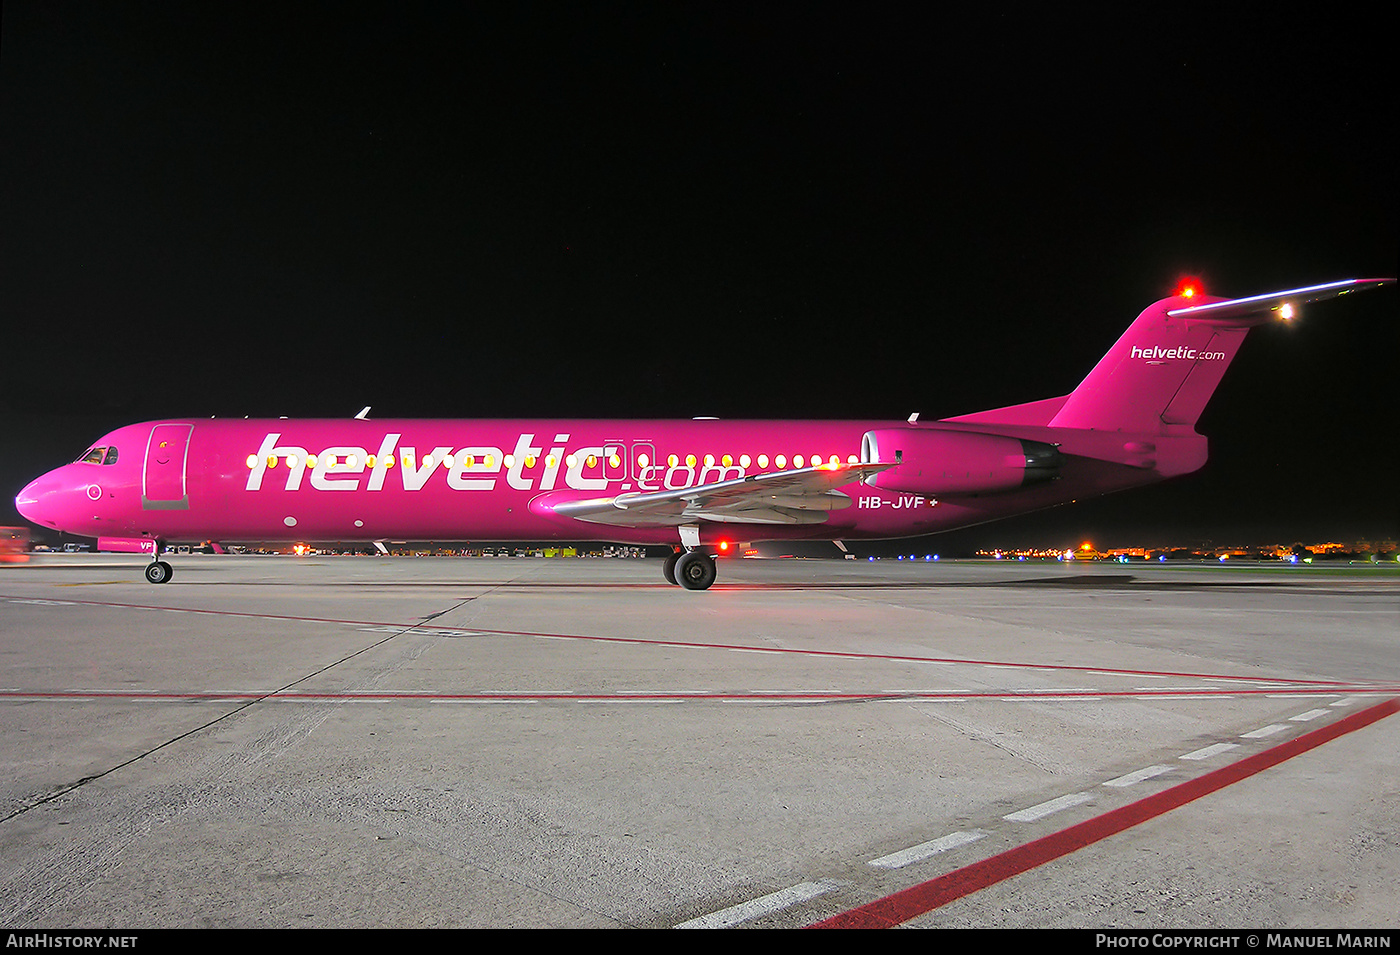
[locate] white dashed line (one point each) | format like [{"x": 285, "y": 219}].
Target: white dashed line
[
  {"x": 1046, "y": 808},
  {"x": 1138, "y": 776},
  {"x": 1308, "y": 716},
  {"x": 924, "y": 850},
  {"x": 1209, "y": 751},
  {"x": 777, "y": 901}
]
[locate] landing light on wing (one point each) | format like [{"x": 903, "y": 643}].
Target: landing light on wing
[{"x": 1286, "y": 312}]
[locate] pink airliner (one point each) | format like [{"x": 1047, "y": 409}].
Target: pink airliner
[{"x": 698, "y": 486}]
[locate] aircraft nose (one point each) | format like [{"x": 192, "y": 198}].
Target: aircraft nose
[{"x": 37, "y": 502}]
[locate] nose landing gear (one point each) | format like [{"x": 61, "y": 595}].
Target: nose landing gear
[{"x": 158, "y": 571}]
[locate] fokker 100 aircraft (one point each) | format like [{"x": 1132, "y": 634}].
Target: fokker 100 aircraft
[{"x": 694, "y": 485}]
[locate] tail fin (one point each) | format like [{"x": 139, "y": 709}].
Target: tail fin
[{"x": 1162, "y": 371}]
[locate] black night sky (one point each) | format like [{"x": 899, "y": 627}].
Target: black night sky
[{"x": 679, "y": 209}]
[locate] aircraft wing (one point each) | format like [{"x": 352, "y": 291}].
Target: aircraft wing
[{"x": 802, "y": 496}]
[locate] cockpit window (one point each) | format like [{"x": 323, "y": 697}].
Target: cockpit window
[{"x": 99, "y": 456}]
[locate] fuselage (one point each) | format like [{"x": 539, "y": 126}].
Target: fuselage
[
  {"x": 235, "y": 480},
  {"x": 689, "y": 484}
]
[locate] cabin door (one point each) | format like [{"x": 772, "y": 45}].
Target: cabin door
[{"x": 164, "y": 482}]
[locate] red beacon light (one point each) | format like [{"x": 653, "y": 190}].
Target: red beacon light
[{"x": 1189, "y": 288}]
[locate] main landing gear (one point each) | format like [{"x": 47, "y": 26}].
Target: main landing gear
[{"x": 692, "y": 569}]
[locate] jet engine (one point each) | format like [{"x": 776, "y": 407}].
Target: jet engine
[{"x": 949, "y": 463}]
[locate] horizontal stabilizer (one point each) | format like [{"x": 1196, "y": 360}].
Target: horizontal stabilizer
[
  {"x": 1033, "y": 413},
  {"x": 1260, "y": 308}
]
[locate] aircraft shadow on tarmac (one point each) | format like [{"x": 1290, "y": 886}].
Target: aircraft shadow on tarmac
[{"x": 1071, "y": 582}]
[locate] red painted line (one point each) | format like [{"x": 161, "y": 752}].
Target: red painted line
[
  {"x": 919, "y": 899},
  {"x": 1328, "y": 685},
  {"x": 737, "y": 696}
]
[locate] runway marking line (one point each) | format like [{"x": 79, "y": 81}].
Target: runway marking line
[
  {"x": 1324, "y": 686},
  {"x": 626, "y": 696},
  {"x": 1137, "y": 776},
  {"x": 773, "y": 902},
  {"x": 1047, "y": 808},
  {"x": 900, "y": 907},
  {"x": 924, "y": 850},
  {"x": 1214, "y": 749}
]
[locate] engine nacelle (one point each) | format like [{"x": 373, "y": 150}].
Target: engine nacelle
[{"x": 948, "y": 463}]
